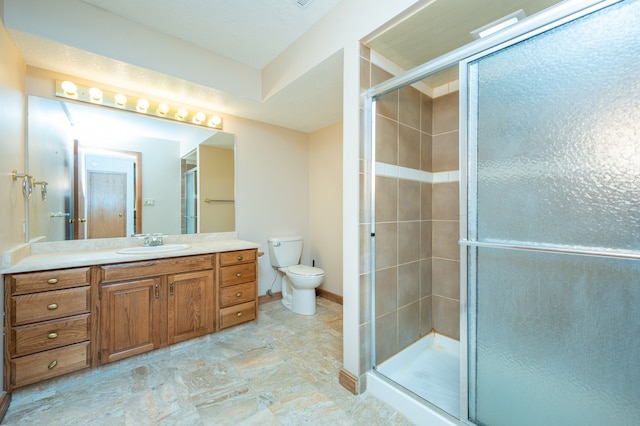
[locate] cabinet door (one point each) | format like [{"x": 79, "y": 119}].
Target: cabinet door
[
  {"x": 130, "y": 318},
  {"x": 190, "y": 305}
]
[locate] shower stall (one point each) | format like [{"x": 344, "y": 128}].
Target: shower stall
[{"x": 505, "y": 224}]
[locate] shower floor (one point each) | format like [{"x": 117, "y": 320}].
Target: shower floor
[{"x": 430, "y": 368}]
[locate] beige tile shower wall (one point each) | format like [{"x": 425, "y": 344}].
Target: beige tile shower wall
[
  {"x": 445, "y": 219},
  {"x": 417, "y": 261},
  {"x": 403, "y": 302}
]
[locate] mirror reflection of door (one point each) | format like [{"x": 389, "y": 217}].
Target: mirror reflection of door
[
  {"x": 108, "y": 197},
  {"x": 106, "y": 204}
]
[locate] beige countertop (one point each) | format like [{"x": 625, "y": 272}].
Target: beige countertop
[{"x": 68, "y": 254}]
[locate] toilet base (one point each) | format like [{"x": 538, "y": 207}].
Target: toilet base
[{"x": 299, "y": 301}]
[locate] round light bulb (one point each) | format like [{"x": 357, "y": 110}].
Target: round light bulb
[
  {"x": 69, "y": 88},
  {"x": 142, "y": 105},
  {"x": 121, "y": 100},
  {"x": 215, "y": 121},
  {"x": 182, "y": 114},
  {"x": 199, "y": 118},
  {"x": 95, "y": 95},
  {"x": 163, "y": 109}
]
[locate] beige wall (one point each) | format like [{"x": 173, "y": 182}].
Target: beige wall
[
  {"x": 325, "y": 205},
  {"x": 12, "y": 124},
  {"x": 12, "y": 70}
]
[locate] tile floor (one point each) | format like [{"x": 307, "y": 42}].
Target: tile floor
[{"x": 279, "y": 370}]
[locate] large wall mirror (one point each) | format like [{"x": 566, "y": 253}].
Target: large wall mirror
[{"x": 103, "y": 173}]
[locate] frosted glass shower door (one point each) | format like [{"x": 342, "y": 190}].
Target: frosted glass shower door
[{"x": 553, "y": 225}]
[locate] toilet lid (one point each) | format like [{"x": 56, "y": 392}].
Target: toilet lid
[{"x": 305, "y": 270}]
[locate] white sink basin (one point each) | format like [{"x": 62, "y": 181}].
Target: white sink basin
[{"x": 153, "y": 249}]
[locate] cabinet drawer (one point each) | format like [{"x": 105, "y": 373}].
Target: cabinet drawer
[
  {"x": 234, "y": 257},
  {"x": 46, "y": 335},
  {"x": 45, "y": 365},
  {"x": 231, "y": 275},
  {"x": 155, "y": 267},
  {"x": 235, "y": 294},
  {"x": 30, "y": 308},
  {"x": 49, "y": 280},
  {"x": 237, "y": 314}
]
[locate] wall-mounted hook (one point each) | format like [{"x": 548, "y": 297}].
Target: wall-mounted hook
[
  {"x": 43, "y": 188},
  {"x": 15, "y": 175},
  {"x": 27, "y": 184}
]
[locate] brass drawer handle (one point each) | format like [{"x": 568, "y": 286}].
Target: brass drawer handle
[
  {"x": 52, "y": 364},
  {"x": 52, "y": 336},
  {"x": 52, "y": 281},
  {"x": 239, "y": 274},
  {"x": 239, "y": 294},
  {"x": 239, "y": 314},
  {"x": 52, "y": 306},
  {"x": 239, "y": 257}
]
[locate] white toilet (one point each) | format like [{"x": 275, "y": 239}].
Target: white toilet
[{"x": 300, "y": 281}]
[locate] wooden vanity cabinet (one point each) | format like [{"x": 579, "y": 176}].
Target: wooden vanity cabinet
[
  {"x": 238, "y": 287},
  {"x": 48, "y": 325},
  {"x": 130, "y": 318},
  {"x": 65, "y": 320},
  {"x": 150, "y": 304},
  {"x": 190, "y": 310}
]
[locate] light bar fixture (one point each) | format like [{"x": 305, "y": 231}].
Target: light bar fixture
[
  {"x": 97, "y": 96},
  {"x": 497, "y": 25}
]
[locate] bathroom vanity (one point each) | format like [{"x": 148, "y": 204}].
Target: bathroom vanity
[{"x": 97, "y": 307}]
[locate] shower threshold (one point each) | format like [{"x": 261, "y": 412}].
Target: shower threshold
[{"x": 429, "y": 368}]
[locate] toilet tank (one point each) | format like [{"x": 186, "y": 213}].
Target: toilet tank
[{"x": 285, "y": 251}]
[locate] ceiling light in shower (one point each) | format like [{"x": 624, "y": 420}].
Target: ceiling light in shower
[
  {"x": 500, "y": 24},
  {"x": 303, "y": 4}
]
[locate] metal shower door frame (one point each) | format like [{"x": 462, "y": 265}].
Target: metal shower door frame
[{"x": 550, "y": 18}]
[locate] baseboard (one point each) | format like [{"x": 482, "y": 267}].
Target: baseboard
[
  {"x": 5, "y": 399},
  {"x": 329, "y": 296},
  {"x": 348, "y": 381},
  {"x": 265, "y": 298}
]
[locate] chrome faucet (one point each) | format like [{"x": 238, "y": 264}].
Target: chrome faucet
[{"x": 151, "y": 240}]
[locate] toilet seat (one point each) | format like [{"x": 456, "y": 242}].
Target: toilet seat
[{"x": 305, "y": 271}]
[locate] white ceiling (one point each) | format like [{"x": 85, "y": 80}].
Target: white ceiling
[{"x": 252, "y": 33}]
